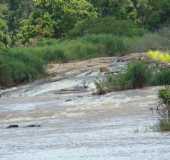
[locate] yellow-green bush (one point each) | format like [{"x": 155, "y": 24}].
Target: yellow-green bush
[{"x": 159, "y": 56}]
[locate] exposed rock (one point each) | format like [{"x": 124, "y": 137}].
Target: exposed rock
[
  {"x": 68, "y": 100},
  {"x": 13, "y": 126},
  {"x": 33, "y": 126},
  {"x": 104, "y": 69},
  {"x": 131, "y": 57}
]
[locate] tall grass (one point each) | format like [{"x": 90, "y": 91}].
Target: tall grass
[
  {"x": 20, "y": 65},
  {"x": 159, "y": 40}
]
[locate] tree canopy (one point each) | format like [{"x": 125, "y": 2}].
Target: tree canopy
[{"x": 33, "y": 19}]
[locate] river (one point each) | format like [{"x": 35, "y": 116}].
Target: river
[{"x": 76, "y": 125}]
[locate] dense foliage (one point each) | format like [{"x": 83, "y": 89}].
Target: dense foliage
[{"x": 29, "y": 20}]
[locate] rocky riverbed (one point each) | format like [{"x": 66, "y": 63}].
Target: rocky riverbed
[{"x": 58, "y": 118}]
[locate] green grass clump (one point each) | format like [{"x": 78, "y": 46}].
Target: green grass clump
[
  {"x": 137, "y": 75},
  {"x": 164, "y": 109},
  {"x": 164, "y": 95},
  {"x": 164, "y": 125}
]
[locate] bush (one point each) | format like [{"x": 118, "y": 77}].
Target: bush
[
  {"x": 106, "y": 25},
  {"x": 20, "y": 65},
  {"x": 164, "y": 95},
  {"x": 16, "y": 67},
  {"x": 137, "y": 75},
  {"x": 162, "y": 77},
  {"x": 164, "y": 109},
  {"x": 111, "y": 83}
]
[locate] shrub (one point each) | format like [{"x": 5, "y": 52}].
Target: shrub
[
  {"x": 100, "y": 88},
  {"x": 16, "y": 67},
  {"x": 111, "y": 83},
  {"x": 159, "y": 56},
  {"x": 137, "y": 75},
  {"x": 164, "y": 95},
  {"x": 161, "y": 77},
  {"x": 164, "y": 109},
  {"x": 106, "y": 25}
]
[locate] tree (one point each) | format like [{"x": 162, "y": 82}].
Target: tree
[
  {"x": 64, "y": 14},
  {"x": 17, "y": 11},
  {"x": 117, "y": 8},
  {"x": 151, "y": 13},
  {"x": 4, "y": 38},
  {"x": 148, "y": 13},
  {"x": 36, "y": 27}
]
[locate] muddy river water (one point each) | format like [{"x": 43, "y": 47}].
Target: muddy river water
[{"x": 76, "y": 125}]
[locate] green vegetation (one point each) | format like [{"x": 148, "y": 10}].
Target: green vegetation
[
  {"x": 164, "y": 95},
  {"x": 164, "y": 109},
  {"x": 162, "y": 77},
  {"x": 164, "y": 125},
  {"x": 90, "y": 46},
  {"x": 29, "y": 21},
  {"x": 138, "y": 74},
  {"x": 20, "y": 65},
  {"x": 107, "y": 25}
]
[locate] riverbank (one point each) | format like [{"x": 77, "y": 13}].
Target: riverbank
[{"x": 80, "y": 73}]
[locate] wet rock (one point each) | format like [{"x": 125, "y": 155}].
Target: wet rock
[
  {"x": 33, "y": 126},
  {"x": 104, "y": 69},
  {"x": 85, "y": 85},
  {"x": 68, "y": 100},
  {"x": 13, "y": 126}
]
